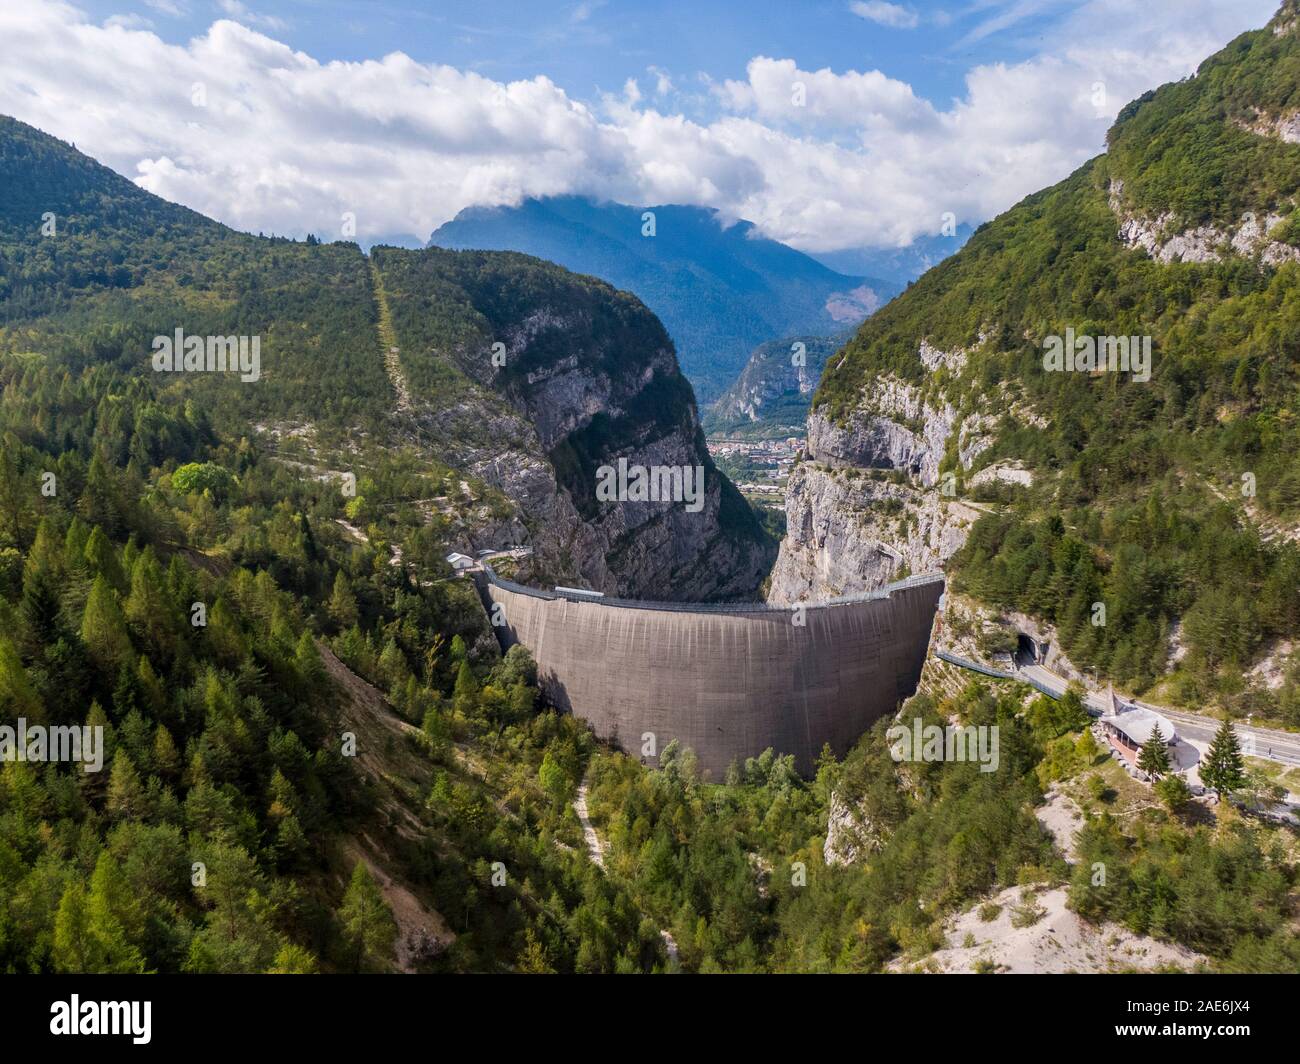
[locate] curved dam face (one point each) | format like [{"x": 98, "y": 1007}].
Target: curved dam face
[{"x": 725, "y": 681}]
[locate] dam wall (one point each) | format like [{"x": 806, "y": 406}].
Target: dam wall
[{"x": 728, "y": 681}]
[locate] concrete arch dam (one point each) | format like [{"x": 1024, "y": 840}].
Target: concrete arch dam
[{"x": 727, "y": 681}]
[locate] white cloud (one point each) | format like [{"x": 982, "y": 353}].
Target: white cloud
[
  {"x": 129, "y": 22},
  {"x": 240, "y": 11},
  {"x": 895, "y": 15},
  {"x": 287, "y": 143},
  {"x": 663, "y": 83}
]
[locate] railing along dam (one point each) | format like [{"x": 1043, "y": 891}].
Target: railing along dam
[{"x": 727, "y": 681}]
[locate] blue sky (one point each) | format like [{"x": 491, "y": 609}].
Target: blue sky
[
  {"x": 830, "y": 125},
  {"x": 593, "y": 46}
]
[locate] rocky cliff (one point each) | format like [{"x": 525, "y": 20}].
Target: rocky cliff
[
  {"x": 773, "y": 392},
  {"x": 544, "y": 379},
  {"x": 868, "y": 504}
]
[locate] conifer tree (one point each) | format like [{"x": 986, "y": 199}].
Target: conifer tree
[
  {"x": 100, "y": 556},
  {"x": 343, "y": 603},
  {"x": 103, "y": 626},
  {"x": 1153, "y": 759},
  {"x": 368, "y": 924},
  {"x": 1224, "y": 769}
]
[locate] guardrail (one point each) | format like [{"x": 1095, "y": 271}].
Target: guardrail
[
  {"x": 1002, "y": 674},
  {"x": 710, "y": 607},
  {"x": 974, "y": 666}
]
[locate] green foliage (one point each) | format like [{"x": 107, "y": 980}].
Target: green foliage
[
  {"x": 202, "y": 476},
  {"x": 368, "y": 924},
  {"x": 1223, "y": 893},
  {"x": 1223, "y": 769},
  {"x": 1153, "y": 758}
]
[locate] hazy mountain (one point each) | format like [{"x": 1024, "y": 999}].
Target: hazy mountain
[
  {"x": 719, "y": 289},
  {"x": 898, "y": 265}
]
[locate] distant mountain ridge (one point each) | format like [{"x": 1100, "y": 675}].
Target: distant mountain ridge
[
  {"x": 902, "y": 265},
  {"x": 774, "y": 391},
  {"x": 719, "y": 289}
]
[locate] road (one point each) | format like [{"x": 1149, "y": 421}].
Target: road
[{"x": 1280, "y": 746}]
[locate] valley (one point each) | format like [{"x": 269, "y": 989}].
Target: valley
[{"x": 782, "y": 575}]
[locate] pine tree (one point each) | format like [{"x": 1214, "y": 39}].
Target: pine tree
[
  {"x": 71, "y": 932},
  {"x": 102, "y": 559},
  {"x": 1153, "y": 759},
  {"x": 166, "y": 758},
  {"x": 18, "y": 698},
  {"x": 368, "y": 924},
  {"x": 293, "y": 960},
  {"x": 103, "y": 626},
  {"x": 1223, "y": 769},
  {"x": 343, "y": 604},
  {"x": 465, "y": 693},
  {"x": 114, "y": 918},
  {"x": 125, "y": 791},
  {"x": 532, "y": 958}
]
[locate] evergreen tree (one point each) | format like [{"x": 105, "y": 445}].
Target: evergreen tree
[
  {"x": 368, "y": 924},
  {"x": 465, "y": 693},
  {"x": 103, "y": 627},
  {"x": 72, "y": 932},
  {"x": 102, "y": 559},
  {"x": 1153, "y": 758},
  {"x": 343, "y": 604},
  {"x": 17, "y": 696},
  {"x": 1224, "y": 769}
]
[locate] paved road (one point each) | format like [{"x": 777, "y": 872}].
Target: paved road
[{"x": 1280, "y": 746}]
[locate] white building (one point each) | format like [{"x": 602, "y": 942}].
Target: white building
[{"x": 1128, "y": 726}]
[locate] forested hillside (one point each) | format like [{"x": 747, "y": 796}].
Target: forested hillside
[
  {"x": 1175, "y": 501},
  {"x": 316, "y": 758}
]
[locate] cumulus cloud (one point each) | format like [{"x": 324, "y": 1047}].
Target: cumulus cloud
[{"x": 263, "y": 137}]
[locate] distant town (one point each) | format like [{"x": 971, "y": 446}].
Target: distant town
[{"x": 759, "y": 468}]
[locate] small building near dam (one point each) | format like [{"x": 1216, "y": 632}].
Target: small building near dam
[{"x": 727, "y": 680}]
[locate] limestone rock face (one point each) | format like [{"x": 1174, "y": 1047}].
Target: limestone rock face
[
  {"x": 852, "y": 522},
  {"x": 850, "y": 836},
  {"x": 1163, "y": 241},
  {"x": 565, "y": 418}
]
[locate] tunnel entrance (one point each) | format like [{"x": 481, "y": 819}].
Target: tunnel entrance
[{"x": 1029, "y": 651}]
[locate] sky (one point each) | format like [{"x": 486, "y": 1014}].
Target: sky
[{"x": 830, "y": 125}]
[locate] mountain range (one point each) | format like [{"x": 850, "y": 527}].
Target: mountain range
[{"x": 720, "y": 289}]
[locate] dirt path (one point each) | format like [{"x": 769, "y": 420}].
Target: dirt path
[
  {"x": 388, "y": 340},
  {"x": 588, "y": 832},
  {"x": 596, "y": 852}
]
